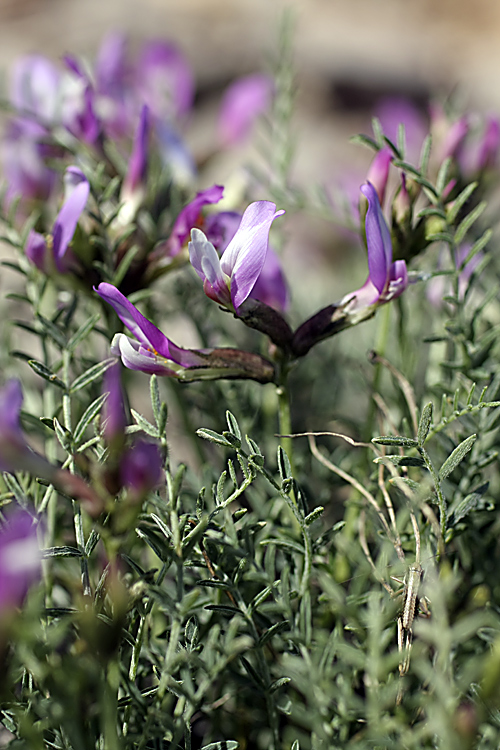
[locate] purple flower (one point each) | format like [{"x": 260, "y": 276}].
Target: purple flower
[
  {"x": 133, "y": 189},
  {"x": 392, "y": 113},
  {"x": 45, "y": 255},
  {"x": 114, "y": 417},
  {"x": 113, "y": 81},
  {"x": 142, "y": 467},
  {"x": 231, "y": 279},
  {"x": 24, "y": 155},
  {"x": 16, "y": 454},
  {"x": 20, "y": 558},
  {"x": 271, "y": 287},
  {"x": 190, "y": 217},
  {"x": 79, "y": 114},
  {"x": 379, "y": 171},
  {"x": 386, "y": 280},
  {"x": 153, "y": 352},
  {"x": 243, "y": 102},
  {"x": 35, "y": 88},
  {"x": 163, "y": 80}
]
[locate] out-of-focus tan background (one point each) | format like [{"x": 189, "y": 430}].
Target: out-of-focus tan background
[{"x": 347, "y": 51}]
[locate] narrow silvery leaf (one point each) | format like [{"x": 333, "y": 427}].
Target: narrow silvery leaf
[
  {"x": 425, "y": 423},
  {"x": 458, "y": 455}
]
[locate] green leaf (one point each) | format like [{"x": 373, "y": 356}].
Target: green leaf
[
  {"x": 87, "y": 417},
  {"x": 233, "y": 425},
  {"x": 83, "y": 331},
  {"x": 458, "y": 455},
  {"x": 278, "y": 627},
  {"x": 284, "y": 465},
  {"x": 143, "y": 423},
  {"x": 425, "y": 423},
  {"x": 469, "y": 220},
  {"x": 63, "y": 435},
  {"x": 400, "y": 460},
  {"x": 45, "y": 373},
  {"x": 313, "y": 515},
  {"x": 389, "y": 440},
  {"x": 213, "y": 437},
  {"x": 53, "y": 331},
  {"x": 224, "y": 745},
  {"x": 468, "y": 504},
  {"x": 61, "y": 552},
  {"x": 459, "y": 202},
  {"x": 225, "y": 609},
  {"x": 92, "y": 374}
]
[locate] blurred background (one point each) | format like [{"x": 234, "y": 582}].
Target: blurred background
[{"x": 348, "y": 53}]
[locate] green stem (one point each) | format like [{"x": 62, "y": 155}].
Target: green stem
[
  {"x": 284, "y": 418},
  {"x": 384, "y": 319},
  {"x": 77, "y": 513},
  {"x": 441, "y": 498}
]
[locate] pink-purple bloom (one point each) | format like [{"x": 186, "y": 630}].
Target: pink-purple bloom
[
  {"x": 163, "y": 80},
  {"x": 141, "y": 468},
  {"x": 386, "y": 279},
  {"x": 271, "y": 287},
  {"x": 20, "y": 558},
  {"x": 243, "y": 102},
  {"x": 379, "y": 171},
  {"x": 190, "y": 217},
  {"x": 47, "y": 255},
  {"x": 395, "y": 111},
  {"x": 153, "y": 352},
  {"x": 231, "y": 279}
]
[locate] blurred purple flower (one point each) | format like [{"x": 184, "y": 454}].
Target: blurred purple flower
[
  {"x": 35, "y": 88},
  {"x": 386, "y": 279},
  {"x": 79, "y": 103},
  {"x": 243, "y": 101},
  {"x": 164, "y": 81},
  {"x": 142, "y": 467},
  {"x": 231, "y": 279},
  {"x": 114, "y": 417},
  {"x": 113, "y": 85},
  {"x": 54, "y": 253},
  {"x": 16, "y": 454},
  {"x": 481, "y": 151},
  {"x": 393, "y": 112},
  {"x": 20, "y": 558},
  {"x": 24, "y": 161}
]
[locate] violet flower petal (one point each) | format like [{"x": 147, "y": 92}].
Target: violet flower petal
[
  {"x": 206, "y": 263},
  {"x": 67, "y": 219},
  {"x": 378, "y": 239},
  {"x": 20, "y": 558},
  {"x": 164, "y": 80},
  {"x": 114, "y": 417},
  {"x": 37, "y": 251},
  {"x": 35, "y": 88},
  {"x": 243, "y": 102},
  {"x": 135, "y": 356},
  {"x": 245, "y": 255},
  {"x": 379, "y": 171},
  {"x": 142, "y": 328},
  {"x": 138, "y": 163},
  {"x": 271, "y": 287},
  {"x": 141, "y": 469},
  {"x": 189, "y": 217}
]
